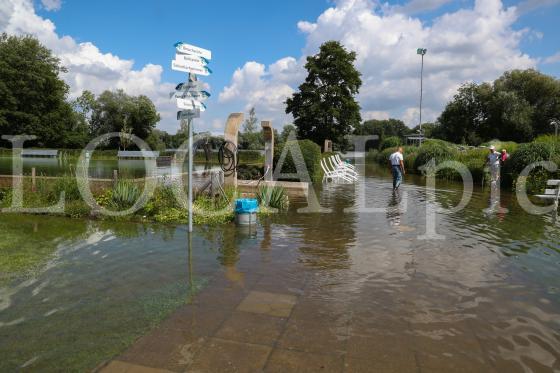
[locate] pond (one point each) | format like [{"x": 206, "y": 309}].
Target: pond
[
  {"x": 487, "y": 295},
  {"x": 100, "y": 169}
]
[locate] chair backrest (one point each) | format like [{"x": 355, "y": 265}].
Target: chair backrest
[
  {"x": 555, "y": 190},
  {"x": 325, "y": 169},
  {"x": 333, "y": 163}
]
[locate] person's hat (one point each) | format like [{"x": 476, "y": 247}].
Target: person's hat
[{"x": 492, "y": 147}]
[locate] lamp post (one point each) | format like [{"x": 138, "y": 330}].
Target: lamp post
[
  {"x": 421, "y": 52},
  {"x": 555, "y": 123}
]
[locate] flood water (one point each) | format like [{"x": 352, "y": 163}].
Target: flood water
[
  {"x": 485, "y": 298},
  {"x": 99, "y": 169}
]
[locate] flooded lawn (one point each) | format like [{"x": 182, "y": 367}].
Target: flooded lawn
[
  {"x": 82, "y": 292},
  {"x": 342, "y": 291}
]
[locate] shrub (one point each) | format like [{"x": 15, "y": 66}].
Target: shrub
[
  {"x": 390, "y": 142},
  {"x": 510, "y": 146},
  {"x": 161, "y": 201},
  {"x": 437, "y": 150},
  {"x": 249, "y": 172},
  {"x": 311, "y": 153},
  {"x": 76, "y": 209},
  {"x": 69, "y": 186},
  {"x": 546, "y": 139},
  {"x": 475, "y": 160},
  {"x": 530, "y": 153}
]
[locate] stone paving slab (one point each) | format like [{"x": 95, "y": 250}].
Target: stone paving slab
[
  {"x": 295, "y": 361},
  {"x": 123, "y": 367},
  {"x": 272, "y": 304},
  {"x": 252, "y": 328}
]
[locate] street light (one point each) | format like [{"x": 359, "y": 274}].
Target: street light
[
  {"x": 555, "y": 123},
  {"x": 422, "y": 52}
]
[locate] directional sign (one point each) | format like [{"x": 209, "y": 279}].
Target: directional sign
[
  {"x": 193, "y": 50},
  {"x": 190, "y": 58},
  {"x": 189, "y": 104},
  {"x": 195, "y": 86},
  {"x": 188, "y": 68},
  {"x": 196, "y": 95},
  {"x": 188, "y": 114},
  {"x": 192, "y": 62}
]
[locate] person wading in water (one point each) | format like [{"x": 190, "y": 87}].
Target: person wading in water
[{"x": 397, "y": 167}]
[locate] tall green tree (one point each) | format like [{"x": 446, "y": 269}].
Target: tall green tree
[
  {"x": 33, "y": 96},
  {"x": 325, "y": 107},
  {"x": 517, "y": 106},
  {"x": 286, "y": 130},
  {"x": 250, "y": 124},
  {"x": 251, "y": 138},
  {"x": 383, "y": 128},
  {"x": 115, "y": 111}
]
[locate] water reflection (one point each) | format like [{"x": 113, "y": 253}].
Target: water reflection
[
  {"x": 394, "y": 210},
  {"x": 100, "y": 169}
]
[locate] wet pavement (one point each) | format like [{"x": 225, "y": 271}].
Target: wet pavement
[{"x": 359, "y": 292}]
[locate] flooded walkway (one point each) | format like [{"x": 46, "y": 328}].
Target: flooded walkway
[{"x": 354, "y": 291}]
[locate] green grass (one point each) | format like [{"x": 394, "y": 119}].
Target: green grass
[{"x": 22, "y": 251}]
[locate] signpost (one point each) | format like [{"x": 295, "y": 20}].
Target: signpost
[
  {"x": 190, "y": 104},
  {"x": 188, "y": 114},
  {"x": 192, "y": 50},
  {"x": 192, "y": 68},
  {"x": 189, "y": 95}
]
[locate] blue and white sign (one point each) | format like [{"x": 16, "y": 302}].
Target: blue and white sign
[
  {"x": 188, "y": 86},
  {"x": 197, "y": 95},
  {"x": 188, "y": 114},
  {"x": 190, "y": 104},
  {"x": 191, "y": 59},
  {"x": 193, "y": 50},
  {"x": 190, "y": 68}
]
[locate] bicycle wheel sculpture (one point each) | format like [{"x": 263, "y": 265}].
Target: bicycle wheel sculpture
[{"x": 227, "y": 156}]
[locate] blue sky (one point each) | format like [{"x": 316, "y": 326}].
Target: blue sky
[{"x": 259, "y": 47}]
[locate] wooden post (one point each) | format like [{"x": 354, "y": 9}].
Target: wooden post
[
  {"x": 33, "y": 180},
  {"x": 230, "y": 134},
  {"x": 268, "y": 133},
  {"x": 115, "y": 177}
]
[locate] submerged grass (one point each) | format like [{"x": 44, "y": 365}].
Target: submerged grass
[{"x": 164, "y": 206}]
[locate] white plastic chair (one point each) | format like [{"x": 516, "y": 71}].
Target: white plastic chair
[
  {"x": 340, "y": 160},
  {"x": 335, "y": 174},
  {"x": 341, "y": 168}
]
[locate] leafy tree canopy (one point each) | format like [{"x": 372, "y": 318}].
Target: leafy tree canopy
[
  {"x": 518, "y": 106},
  {"x": 325, "y": 107},
  {"x": 33, "y": 96}
]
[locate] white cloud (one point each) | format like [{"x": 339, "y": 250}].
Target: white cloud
[
  {"x": 51, "y": 5},
  {"x": 555, "y": 58},
  {"x": 474, "y": 44},
  {"x": 367, "y": 115},
  {"x": 527, "y": 6},
  {"x": 88, "y": 67},
  {"x": 266, "y": 89},
  {"x": 306, "y": 27},
  {"x": 419, "y": 6}
]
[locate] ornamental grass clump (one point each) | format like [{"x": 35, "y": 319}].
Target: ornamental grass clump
[
  {"x": 124, "y": 195},
  {"x": 273, "y": 197}
]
